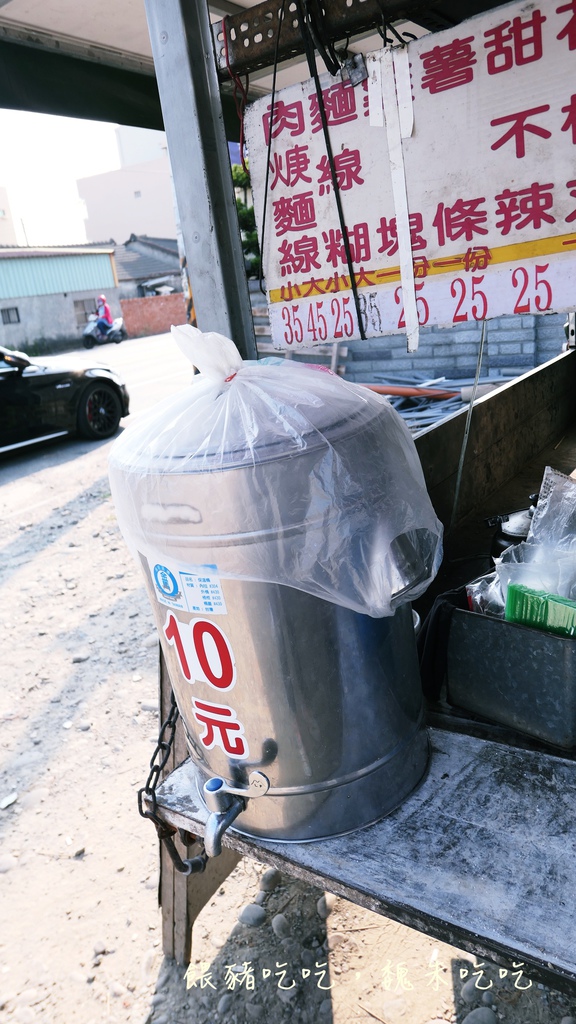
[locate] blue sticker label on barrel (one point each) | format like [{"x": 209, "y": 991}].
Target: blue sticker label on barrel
[{"x": 166, "y": 582}]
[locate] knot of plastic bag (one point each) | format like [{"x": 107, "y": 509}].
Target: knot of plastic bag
[{"x": 215, "y": 356}]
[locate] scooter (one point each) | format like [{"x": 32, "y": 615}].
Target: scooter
[{"x": 92, "y": 335}]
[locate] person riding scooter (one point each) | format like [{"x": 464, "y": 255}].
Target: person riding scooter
[{"x": 104, "y": 315}]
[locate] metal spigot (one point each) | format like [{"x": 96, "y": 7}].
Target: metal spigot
[{"x": 225, "y": 804}]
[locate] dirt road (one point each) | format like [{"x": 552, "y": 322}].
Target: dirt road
[{"x": 79, "y": 922}]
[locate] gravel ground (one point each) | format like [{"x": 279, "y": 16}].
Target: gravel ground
[{"x": 80, "y": 930}]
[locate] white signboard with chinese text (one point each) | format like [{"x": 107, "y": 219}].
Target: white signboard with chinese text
[{"x": 490, "y": 176}]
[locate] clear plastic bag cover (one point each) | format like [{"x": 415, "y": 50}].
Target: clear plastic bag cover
[
  {"x": 554, "y": 520},
  {"x": 539, "y": 567},
  {"x": 279, "y": 474}
]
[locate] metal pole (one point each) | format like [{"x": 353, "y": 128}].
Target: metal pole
[{"x": 183, "y": 54}]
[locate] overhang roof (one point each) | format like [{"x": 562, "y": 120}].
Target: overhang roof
[
  {"x": 13, "y": 252},
  {"x": 81, "y": 59}
]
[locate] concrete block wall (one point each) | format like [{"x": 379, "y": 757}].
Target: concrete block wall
[
  {"x": 154, "y": 314},
  {"x": 514, "y": 344},
  {"x": 549, "y": 330}
]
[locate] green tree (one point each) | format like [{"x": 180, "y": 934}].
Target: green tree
[
  {"x": 241, "y": 178},
  {"x": 247, "y": 222}
]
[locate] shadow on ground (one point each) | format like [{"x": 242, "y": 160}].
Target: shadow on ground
[
  {"x": 486, "y": 993},
  {"x": 258, "y": 975}
]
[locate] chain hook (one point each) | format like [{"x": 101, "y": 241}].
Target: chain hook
[{"x": 147, "y": 803}]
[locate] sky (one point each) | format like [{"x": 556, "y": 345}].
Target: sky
[{"x": 41, "y": 156}]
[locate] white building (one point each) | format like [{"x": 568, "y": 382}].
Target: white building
[
  {"x": 137, "y": 199},
  {"x": 7, "y": 231}
]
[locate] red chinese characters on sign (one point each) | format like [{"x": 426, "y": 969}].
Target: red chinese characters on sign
[
  {"x": 388, "y": 232},
  {"x": 299, "y": 257},
  {"x": 571, "y": 185},
  {"x": 477, "y": 258},
  {"x": 421, "y": 266},
  {"x": 570, "y": 122},
  {"x": 519, "y": 127},
  {"x": 358, "y": 238},
  {"x": 464, "y": 219},
  {"x": 365, "y": 278},
  {"x": 313, "y": 287},
  {"x": 288, "y": 117},
  {"x": 294, "y": 213},
  {"x": 347, "y": 166},
  {"x": 337, "y": 283},
  {"x": 290, "y": 291},
  {"x": 446, "y": 67},
  {"x": 339, "y": 105},
  {"x": 221, "y": 728},
  {"x": 291, "y": 168},
  {"x": 569, "y": 30},
  {"x": 334, "y": 244},
  {"x": 514, "y": 42},
  {"x": 527, "y": 206}
]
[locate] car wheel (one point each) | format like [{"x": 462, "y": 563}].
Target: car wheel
[
  {"x": 99, "y": 412},
  {"x": 88, "y": 343}
]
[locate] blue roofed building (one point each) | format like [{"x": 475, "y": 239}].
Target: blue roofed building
[{"x": 48, "y": 293}]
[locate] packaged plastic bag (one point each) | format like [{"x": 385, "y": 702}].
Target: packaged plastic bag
[
  {"x": 280, "y": 474},
  {"x": 528, "y": 565},
  {"x": 485, "y": 595},
  {"x": 554, "y": 520},
  {"x": 546, "y": 560}
]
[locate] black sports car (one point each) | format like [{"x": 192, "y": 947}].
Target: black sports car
[{"x": 39, "y": 402}]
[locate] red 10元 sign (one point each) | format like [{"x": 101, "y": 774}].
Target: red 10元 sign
[{"x": 204, "y": 655}]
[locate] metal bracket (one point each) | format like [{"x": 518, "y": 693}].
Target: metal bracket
[{"x": 251, "y": 35}]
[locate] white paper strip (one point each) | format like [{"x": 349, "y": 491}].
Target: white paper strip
[
  {"x": 404, "y": 91},
  {"x": 398, "y": 174},
  {"x": 375, "y": 111}
]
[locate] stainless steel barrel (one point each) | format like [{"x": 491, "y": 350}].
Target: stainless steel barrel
[{"x": 324, "y": 700}]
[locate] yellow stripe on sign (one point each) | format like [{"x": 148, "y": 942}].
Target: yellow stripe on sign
[{"x": 448, "y": 264}]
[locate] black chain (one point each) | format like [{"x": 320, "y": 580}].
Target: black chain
[
  {"x": 162, "y": 751},
  {"x": 148, "y": 807}
]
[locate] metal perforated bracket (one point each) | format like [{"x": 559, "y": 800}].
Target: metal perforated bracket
[{"x": 251, "y": 36}]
